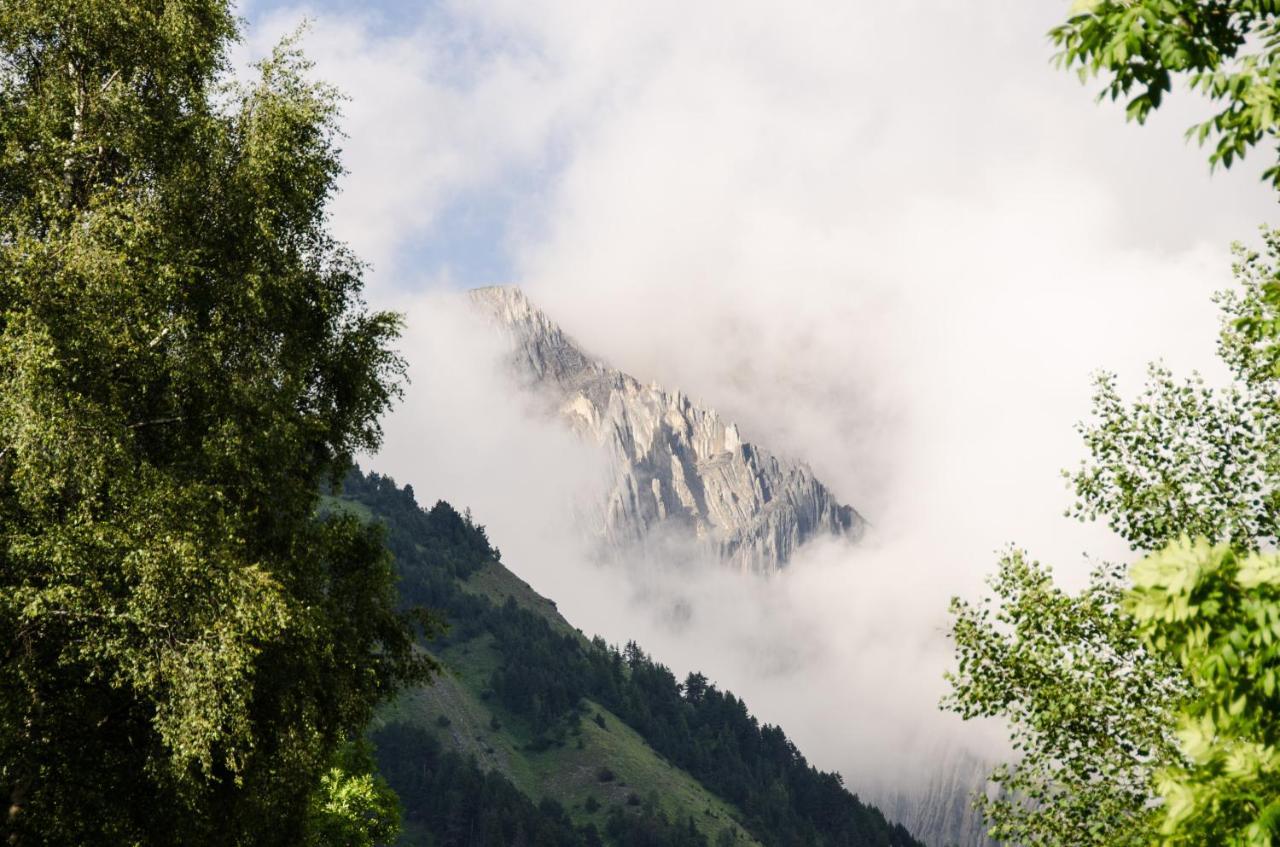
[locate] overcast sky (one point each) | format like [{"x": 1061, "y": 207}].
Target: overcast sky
[
  {"x": 470, "y": 122},
  {"x": 887, "y": 238}
]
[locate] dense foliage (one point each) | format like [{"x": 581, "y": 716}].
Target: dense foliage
[
  {"x": 354, "y": 806},
  {"x": 183, "y": 358},
  {"x": 1217, "y": 614},
  {"x": 1227, "y": 49},
  {"x": 1189, "y": 459},
  {"x": 1089, "y": 708},
  {"x": 1147, "y": 714},
  {"x": 1128, "y": 703},
  {"x": 456, "y": 803},
  {"x": 546, "y": 673}
]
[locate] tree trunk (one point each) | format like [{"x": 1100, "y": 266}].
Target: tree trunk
[{"x": 17, "y": 800}]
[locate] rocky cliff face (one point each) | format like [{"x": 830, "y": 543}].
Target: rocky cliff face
[
  {"x": 940, "y": 812},
  {"x": 678, "y": 467}
]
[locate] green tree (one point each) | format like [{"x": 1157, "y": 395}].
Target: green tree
[
  {"x": 354, "y": 806},
  {"x": 1217, "y": 614},
  {"x": 1190, "y": 645},
  {"x": 1188, "y": 459},
  {"x": 1089, "y": 708},
  {"x": 1093, "y": 700},
  {"x": 184, "y": 359},
  {"x": 1226, "y": 49}
]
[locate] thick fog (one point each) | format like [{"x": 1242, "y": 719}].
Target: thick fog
[{"x": 887, "y": 239}]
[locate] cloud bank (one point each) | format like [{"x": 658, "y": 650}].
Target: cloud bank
[{"x": 889, "y": 239}]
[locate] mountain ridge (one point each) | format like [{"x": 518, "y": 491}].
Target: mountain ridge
[
  {"x": 677, "y": 465},
  {"x": 591, "y": 734}
]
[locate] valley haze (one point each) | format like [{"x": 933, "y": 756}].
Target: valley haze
[{"x": 890, "y": 241}]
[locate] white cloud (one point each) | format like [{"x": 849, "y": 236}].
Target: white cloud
[
  {"x": 436, "y": 113},
  {"x": 888, "y": 238}
]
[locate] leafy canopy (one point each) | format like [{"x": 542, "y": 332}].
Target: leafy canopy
[
  {"x": 1227, "y": 50},
  {"x": 1107, "y": 692},
  {"x": 1186, "y": 458},
  {"x": 1217, "y": 613},
  {"x": 355, "y": 807},
  {"x": 1089, "y": 708},
  {"x": 184, "y": 358},
  {"x": 1179, "y": 743}
]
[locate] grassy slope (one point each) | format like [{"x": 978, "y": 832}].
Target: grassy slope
[
  {"x": 497, "y": 583},
  {"x": 568, "y": 774}
]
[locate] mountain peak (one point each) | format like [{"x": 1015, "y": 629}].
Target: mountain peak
[{"x": 678, "y": 467}]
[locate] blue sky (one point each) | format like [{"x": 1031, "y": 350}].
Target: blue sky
[
  {"x": 386, "y": 16},
  {"x": 465, "y": 243}
]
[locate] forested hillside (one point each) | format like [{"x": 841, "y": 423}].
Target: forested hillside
[{"x": 569, "y": 720}]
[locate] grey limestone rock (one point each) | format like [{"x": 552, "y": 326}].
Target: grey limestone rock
[
  {"x": 678, "y": 467},
  {"x": 939, "y": 811}
]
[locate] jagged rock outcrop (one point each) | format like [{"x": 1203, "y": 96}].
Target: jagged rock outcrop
[{"x": 678, "y": 466}]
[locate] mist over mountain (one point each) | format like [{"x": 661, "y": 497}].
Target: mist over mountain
[
  {"x": 677, "y": 467},
  {"x": 766, "y": 230},
  {"x": 779, "y": 475},
  {"x": 539, "y": 735},
  {"x": 682, "y": 493}
]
